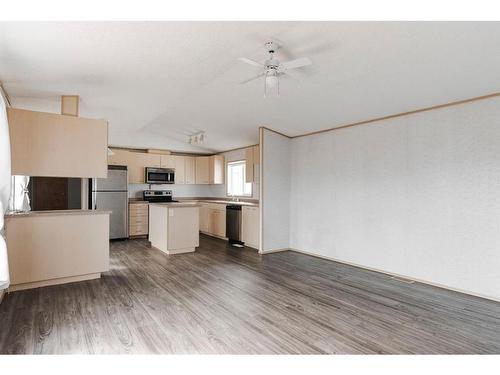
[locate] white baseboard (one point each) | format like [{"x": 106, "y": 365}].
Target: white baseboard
[{"x": 274, "y": 251}]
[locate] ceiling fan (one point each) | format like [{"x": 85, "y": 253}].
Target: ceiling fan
[{"x": 273, "y": 68}]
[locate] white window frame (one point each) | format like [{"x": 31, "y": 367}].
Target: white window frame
[{"x": 228, "y": 164}]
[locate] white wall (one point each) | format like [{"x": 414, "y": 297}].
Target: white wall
[
  {"x": 417, "y": 196},
  {"x": 275, "y": 200}
]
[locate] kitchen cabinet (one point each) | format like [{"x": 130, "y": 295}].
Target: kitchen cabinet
[
  {"x": 250, "y": 226},
  {"x": 252, "y": 159},
  {"x": 216, "y": 169},
  {"x": 138, "y": 161},
  {"x": 256, "y": 155},
  {"x": 190, "y": 169},
  {"x": 119, "y": 157},
  {"x": 204, "y": 217},
  {"x": 167, "y": 161},
  {"x": 217, "y": 217},
  {"x": 180, "y": 169},
  {"x": 138, "y": 223},
  {"x": 213, "y": 219},
  {"x": 174, "y": 229},
  {"x": 52, "y": 145},
  {"x": 202, "y": 170}
]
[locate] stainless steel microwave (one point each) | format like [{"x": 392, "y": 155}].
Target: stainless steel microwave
[{"x": 160, "y": 176}]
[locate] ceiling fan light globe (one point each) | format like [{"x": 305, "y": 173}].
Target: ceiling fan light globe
[{"x": 271, "y": 81}]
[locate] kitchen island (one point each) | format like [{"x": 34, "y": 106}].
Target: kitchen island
[{"x": 174, "y": 227}]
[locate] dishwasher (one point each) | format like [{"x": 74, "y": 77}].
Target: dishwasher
[{"x": 233, "y": 225}]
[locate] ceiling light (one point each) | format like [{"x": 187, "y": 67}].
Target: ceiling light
[
  {"x": 272, "y": 83},
  {"x": 197, "y": 138}
]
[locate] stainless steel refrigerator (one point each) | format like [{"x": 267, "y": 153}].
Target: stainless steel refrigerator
[{"x": 111, "y": 194}]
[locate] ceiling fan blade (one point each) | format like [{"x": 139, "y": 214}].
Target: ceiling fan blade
[
  {"x": 297, "y": 63},
  {"x": 251, "y": 79},
  {"x": 291, "y": 74},
  {"x": 251, "y": 62}
]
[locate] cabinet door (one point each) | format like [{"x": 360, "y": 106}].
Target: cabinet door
[
  {"x": 256, "y": 155},
  {"x": 180, "y": 169},
  {"x": 216, "y": 169},
  {"x": 167, "y": 161},
  {"x": 250, "y": 226},
  {"x": 249, "y": 177},
  {"x": 138, "y": 219},
  {"x": 119, "y": 157},
  {"x": 138, "y": 161},
  {"x": 218, "y": 222},
  {"x": 204, "y": 218},
  {"x": 190, "y": 169},
  {"x": 202, "y": 174}
]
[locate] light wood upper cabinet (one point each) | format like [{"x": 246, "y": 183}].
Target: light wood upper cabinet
[
  {"x": 216, "y": 169},
  {"x": 252, "y": 158},
  {"x": 180, "y": 169},
  {"x": 119, "y": 157},
  {"x": 249, "y": 177},
  {"x": 53, "y": 145},
  {"x": 190, "y": 169},
  {"x": 250, "y": 226},
  {"x": 202, "y": 172},
  {"x": 256, "y": 155},
  {"x": 138, "y": 162},
  {"x": 167, "y": 161}
]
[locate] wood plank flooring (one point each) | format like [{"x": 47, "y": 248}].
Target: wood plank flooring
[{"x": 228, "y": 300}]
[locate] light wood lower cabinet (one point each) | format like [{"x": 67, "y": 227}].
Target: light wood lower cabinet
[
  {"x": 217, "y": 217},
  {"x": 204, "y": 217},
  {"x": 213, "y": 219},
  {"x": 250, "y": 226},
  {"x": 138, "y": 223}
]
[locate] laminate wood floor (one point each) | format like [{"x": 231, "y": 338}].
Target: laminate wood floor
[{"x": 228, "y": 300}]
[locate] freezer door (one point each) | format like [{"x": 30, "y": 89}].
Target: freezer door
[
  {"x": 116, "y": 181},
  {"x": 117, "y": 203}
]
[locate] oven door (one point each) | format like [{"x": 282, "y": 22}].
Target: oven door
[{"x": 159, "y": 176}]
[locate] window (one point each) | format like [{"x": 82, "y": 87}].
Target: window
[{"x": 236, "y": 184}]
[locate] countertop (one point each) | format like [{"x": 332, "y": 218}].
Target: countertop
[
  {"x": 175, "y": 204},
  {"x": 56, "y": 213},
  {"x": 204, "y": 200}
]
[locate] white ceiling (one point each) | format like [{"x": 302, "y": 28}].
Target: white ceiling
[{"x": 158, "y": 82}]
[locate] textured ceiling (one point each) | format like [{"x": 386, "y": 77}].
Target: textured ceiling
[{"x": 158, "y": 82}]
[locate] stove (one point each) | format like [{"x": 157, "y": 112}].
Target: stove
[{"x": 158, "y": 196}]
